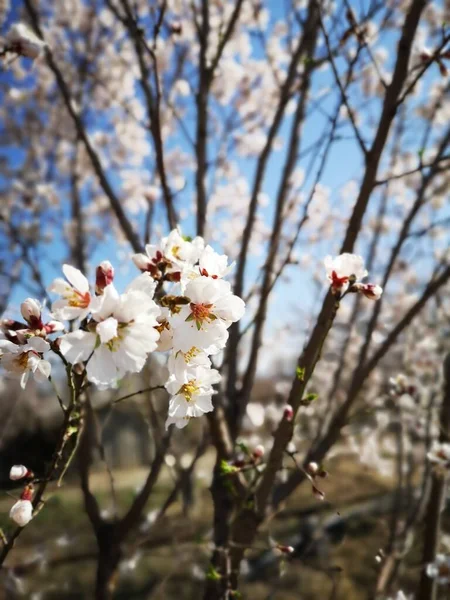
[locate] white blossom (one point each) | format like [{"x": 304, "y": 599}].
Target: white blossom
[
  {"x": 191, "y": 391},
  {"x": 203, "y": 323},
  {"x": 76, "y": 297},
  {"x": 440, "y": 569},
  {"x": 212, "y": 264},
  {"x": 343, "y": 267},
  {"x": 21, "y": 360},
  {"x": 120, "y": 336},
  {"x": 439, "y": 454},
  {"x": 24, "y": 42}
]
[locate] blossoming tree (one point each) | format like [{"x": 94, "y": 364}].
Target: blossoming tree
[{"x": 139, "y": 122}]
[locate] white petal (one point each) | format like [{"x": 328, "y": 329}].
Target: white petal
[
  {"x": 43, "y": 370},
  {"x": 62, "y": 310},
  {"x": 7, "y": 346},
  {"x": 38, "y": 344},
  {"x": 101, "y": 368},
  {"x": 107, "y": 330},
  {"x": 143, "y": 283},
  {"x": 76, "y": 278},
  {"x": 24, "y": 379},
  {"x": 60, "y": 286},
  {"x": 77, "y": 346},
  {"x": 104, "y": 306}
]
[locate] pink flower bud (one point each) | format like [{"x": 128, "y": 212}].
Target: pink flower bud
[
  {"x": 31, "y": 312},
  {"x": 19, "y": 472},
  {"x": 288, "y": 413},
  {"x": 258, "y": 452},
  {"x": 370, "y": 290},
  {"x": 285, "y": 549},
  {"x": 22, "y": 512},
  {"x": 104, "y": 275}
]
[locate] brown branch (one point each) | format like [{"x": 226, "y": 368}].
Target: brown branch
[
  {"x": 153, "y": 103},
  {"x": 343, "y": 92},
  {"x": 310, "y": 37},
  {"x": 319, "y": 451},
  {"x": 206, "y": 75},
  {"x": 285, "y": 95},
  {"x": 115, "y": 203},
  {"x": 131, "y": 518},
  {"x": 427, "y": 589}
]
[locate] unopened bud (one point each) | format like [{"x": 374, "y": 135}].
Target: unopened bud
[
  {"x": 104, "y": 275},
  {"x": 19, "y": 472},
  {"x": 31, "y": 312},
  {"x": 288, "y": 412},
  {"x": 284, "y": 549},
  {"x": 22, "y": 511},
  {"x": 369, "y": 290},
  {"x": 312, "y": 469},
  {"x": 258, "y": 452}
]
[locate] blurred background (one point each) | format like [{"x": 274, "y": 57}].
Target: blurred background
[{"x": 281, "y": 132}]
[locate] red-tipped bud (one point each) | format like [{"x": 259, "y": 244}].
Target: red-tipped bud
[
  {"x": 31, "y": 312},
  {"x": 27, "y": 493},
  {"x": 104, "y": 275},
  {"x": 19, "y": 472},
  {"x": 288, "y": 412},
  {"x": 258, "y": 452},
  {"x": 370, "y": 290},
  {"x": 284, "y": 549}
]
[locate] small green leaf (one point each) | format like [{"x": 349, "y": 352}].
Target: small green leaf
[
  {"x": 212, "y": 574},
  {"x": 226, "y": 468},
  {"x": 300, "y": 372},
  {"x": 306, "y": 401},
  {"x": 199, "y": 324},
  {"x": 190, "y": 317},
  {"x": 187, "y": 238}
]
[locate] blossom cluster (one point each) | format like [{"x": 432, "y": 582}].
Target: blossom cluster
[
  {"x": 193, "y": 322},
  {"x": 180, "y": 303},
  {"x": 345, "y": 273}
]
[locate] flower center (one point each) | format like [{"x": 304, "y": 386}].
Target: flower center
[
  {"x": 21, "y": 361},
  {"x": 338, "y": 282},
  {"x": 176, "y": 252},
  {"x": 191, "y": 354},
  {"x": 188, "y": 390},
  {"x": 78, "y": 299},
  {"x": 201, "y": 311}
]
